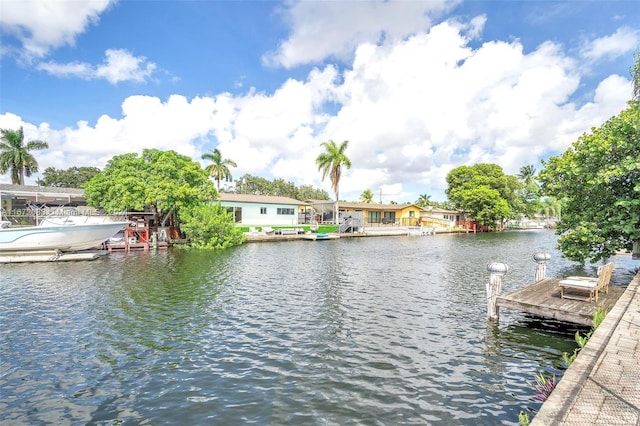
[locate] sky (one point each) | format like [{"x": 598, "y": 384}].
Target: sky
[{"x": 418, "y": 88}]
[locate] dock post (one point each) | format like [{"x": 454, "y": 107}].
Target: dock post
[
  {"x": 494, "y": 287},
  {"x": 541, "y": 269}
]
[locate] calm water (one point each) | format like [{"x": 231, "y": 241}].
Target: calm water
[{"x": 387, "y": 330}]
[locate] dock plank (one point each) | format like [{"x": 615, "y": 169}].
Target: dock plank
[{"x": 543, "y": 299}]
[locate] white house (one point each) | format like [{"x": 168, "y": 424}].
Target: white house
[
  {"x": 264, "y": 210},
  {"x": 441, "y": 218}
]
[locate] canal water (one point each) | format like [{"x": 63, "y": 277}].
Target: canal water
[{"x": 385, "y": 330}]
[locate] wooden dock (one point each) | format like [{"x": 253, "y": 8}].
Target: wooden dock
[
  {"x": 50, "y": 256},
  {"x": 543, "y": 299},
  {"x": 135, "y": 246}
]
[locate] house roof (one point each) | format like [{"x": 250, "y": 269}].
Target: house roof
[
  {"x": 363, "y": 206},
  {"x": 373, "y": 206},
  {"x": 386, "y": 207},
  {"x": 432, "y": 209},
  {"x": 262, "y": 199}
]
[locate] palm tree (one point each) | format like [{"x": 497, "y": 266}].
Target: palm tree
[
  {"x": 366, "y": 196},
  {"x": 527, "y": 174},
  {"x": 330, "y": 162},
  {"x": 219, "y": 169},
  {"x": 15, "y": 156},
  {"x": 423, "y": 200}
]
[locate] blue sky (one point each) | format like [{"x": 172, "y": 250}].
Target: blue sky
[{"x": 417, "y": 87}]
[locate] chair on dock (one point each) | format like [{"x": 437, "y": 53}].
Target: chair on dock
[
  {"x": 268, "y": 230},
  {"x": 590, "y": 284}
]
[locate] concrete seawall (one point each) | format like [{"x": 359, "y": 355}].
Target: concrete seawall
[{"x": 602, "y": 386}]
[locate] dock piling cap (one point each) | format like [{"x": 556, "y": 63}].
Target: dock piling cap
[
  {"x": 541, "y": 257},
  {"x": 498, "y": 268}
]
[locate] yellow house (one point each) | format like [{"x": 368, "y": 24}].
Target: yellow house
[{"x": 374, "y": 214}]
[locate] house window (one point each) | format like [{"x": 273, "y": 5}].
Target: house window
[
  {"x": 389, "y": 217},
  {"x": 373, "y": 217},
  {"x": 286, "y": 211},
  {"x": 263, "y": 210},
  {"x": 236, "y": 212},
  {"x": 412, "y": 214}
]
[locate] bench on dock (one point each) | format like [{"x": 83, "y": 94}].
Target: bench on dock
[
  {"x": 590, "y": 284},
  {"x": 290, "y": 231}
]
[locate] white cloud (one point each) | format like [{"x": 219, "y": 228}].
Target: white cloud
[
  {"x": 119, "y": 65},
  {"x": 41, "y": 25},
  {"x": 334, "y": 29},
  {"x": 623, "y": 41},
  {"x": 412, "y": 109}
]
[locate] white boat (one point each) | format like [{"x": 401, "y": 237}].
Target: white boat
[
  {"x": 71, "y": 235},
  {"x": 420, "y": 230},
  {"x": 320, "y": 236}
]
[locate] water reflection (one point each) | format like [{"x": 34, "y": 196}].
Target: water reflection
[{"x": 373, "y": 331}]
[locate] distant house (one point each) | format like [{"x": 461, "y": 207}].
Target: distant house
[
  {"x": 384, "y": 214},
  {"x": 371, "y": 214},
  {"x": 440, "y": 218},
  {"x": 446, "y": 219},
  {"x": 266, "y": 210}
]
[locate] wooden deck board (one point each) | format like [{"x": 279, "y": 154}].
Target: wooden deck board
[{"x": 543, "y": 299}]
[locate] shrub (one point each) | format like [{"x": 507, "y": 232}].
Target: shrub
[{"x": 209, "y": 227}]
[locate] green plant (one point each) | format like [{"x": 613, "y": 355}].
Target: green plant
[
  {"x": 210, "y": 226},
  {"x": 598, "y": 315},
  {"x": 568, "y": 359},
  {"x": 524, "y": 418},
  {"x": 582, "y": 340},
  {"x": 544, "y": 386}
]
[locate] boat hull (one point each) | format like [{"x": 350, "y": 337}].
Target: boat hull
[{"x": 61, "y": 237}]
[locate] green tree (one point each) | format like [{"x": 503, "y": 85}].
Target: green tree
[
  {"x": 550, "y": 207},
  {"x": 529, "y": 191},
  {"x": 73, "y": 177},
  {"x": 527, "y": 174},
  {"x": 168, "y": 183},
  {"x": 366, "y": 196},
  {"x": 598, "y": 178},
  {"x": 162, "y": 180},
  {"x": 423, "y": 200},
  {"x": 485, "y": 192},
  {"x": 210, "y": 227},
  {"x": 15, "y": 156},
  {"x": 283, "y": 188},
  {"x": 219, "y": 168},
  {"x": 308, "y": 192},
  {"x": 255, "y": 185},
  {"x": 330, "y": 163}
]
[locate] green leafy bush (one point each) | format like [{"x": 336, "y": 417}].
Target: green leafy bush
[{"x": 209, "y": 227}]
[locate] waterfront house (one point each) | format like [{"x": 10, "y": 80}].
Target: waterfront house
[
  {"x": 263, "y": 210},
  {"x": 441, "y": 218},
  {"x": 446, "y": 219},
  {"x": 371, "y": 214},
  {"x": 383, "y": 214}
]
